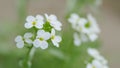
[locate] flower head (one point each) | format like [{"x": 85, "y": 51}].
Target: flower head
[
  {"x": 97, "y": 58},
  {"x": 34, "y": 21},
  {"x": 94, "y": 64},
  {"x": 41, "y": 39},
  {"x": 55, "y": 39},
  {"x": 22, "y": 40},
  {"x": 52, "y": 19},
  {"x": 85, "y": 27}
]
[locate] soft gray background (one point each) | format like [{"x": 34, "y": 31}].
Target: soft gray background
[{"x": 109, "y": 21}]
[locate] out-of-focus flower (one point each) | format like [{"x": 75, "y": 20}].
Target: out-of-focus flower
[
  {"x": 41, "y": 39},
  {"x": 19, "y": 42},
  {"x": 52, "y": 19},
  {"x": 96, "y": 56},
  {"x": 22, "y": 40},
  {"x": 94, "y": 64},
  {"x": 86, "y": 27},
  {"x": 55, "y": 39},
  {"x": 34, "y": 21}
]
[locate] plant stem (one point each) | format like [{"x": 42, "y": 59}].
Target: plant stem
[{"x": 27, "y": 62}]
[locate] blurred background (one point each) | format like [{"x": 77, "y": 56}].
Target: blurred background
[{"x": 108, "y": 17}]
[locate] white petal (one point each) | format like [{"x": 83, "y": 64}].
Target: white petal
[
  {"x": 58, "y": 39},
  {"x": 89, "y": 66},
  {"x": 93, "y": 37},
  {"x": 20, "y": 44},
  {"x": 44, "y": 45},
  {"x": 28, "y": 35},
  {"x": 53, "y": 17},
  {"x": 28, "y": 25},
  {"x": 39, "y": 25},
  {"x": 97, "y": 64},
  {"x": 46, "y": 16},
  {"x": 46, "y": 35},
  {"x": 73, "y": 18},
  {"x": 55, "y": 43},
  {"x": 93, "y": 52},
  {"x": 57, "y": 28},
  {"x": 29, "y": 41},
  {"x": 37, "y": 43},
  {"x": 39, "y": 17},
  {"x": 18, "y": 39},
  {"x": 53, "y": 32},
  {"x": 84, "y": 38},
  {"x": 40, "y": 33},
  {"x": 30, "y": 19}
]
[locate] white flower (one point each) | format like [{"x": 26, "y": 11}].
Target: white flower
[
  {"x": 19, "y": 41},
  {"x": 22, "y": 40},
  {"x": 94, "y": 64},
  {"x": 27, "y": 38},
  {"x": 77, "y": 40},
  {"x": 93, "y": 52},
  {"x": 96, "y": 55},
  {"x": 91, "y": 26},
  {"x": 74, "y": 18},
  {"x": 55, "y": 39},
  {"x": 41, "y": 39},
  {"x": 34, "y": 21},
  {"x": 52, "y": 19}
]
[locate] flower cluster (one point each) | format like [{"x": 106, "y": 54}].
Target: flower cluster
[
  {"x": 85, "y": 28},
  {"x": 98, "y": 60},
  {"x": 44, "y": 31}
]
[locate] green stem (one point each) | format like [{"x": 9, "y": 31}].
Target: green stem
[{"x": 27, "y": 63}]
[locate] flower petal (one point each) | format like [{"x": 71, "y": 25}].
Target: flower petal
[
  {"x": 46, "y": 35},
  {"x": 58, "y": 38},
  {"x": 39, "y": 25},
  {"x": 18, "y": 39},
  {"x": 28, "y": 25},
  {"x": 40, "y": 33},
  {"x": 44, "y": 45},
  {"x": 55, "y": 43},
  {"x": 37, "y": 43},
  {"x": 30, "y": 19},
  {"x": 53, "y": 32},
  {"x": 29, "y": 41},
  {"x": 28, "y": 35},
  {"x": 93, "y": 37},
  {"x": 39, "y": 17},
  {"x": 20, "y": 44}
]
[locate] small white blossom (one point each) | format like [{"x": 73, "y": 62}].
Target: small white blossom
[
  {"x": 27, "y": 38},
  {"x": 91, "y": 26},
  {"x": 19, "y": 42},
  {"x": 22, "y": 40},
  {"x": 96, "y": 55},
  {"x": 55, "y": 39},
  {"x": 52, "y": 19},
  {"x": 34, "y": 21},
  {"x": 74, "y": 18},
  {"x": 86, "y": 27},
  {"x": 94, "y": 64},
  {"x": 41, "y": 39}
]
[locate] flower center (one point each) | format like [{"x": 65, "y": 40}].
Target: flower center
[
  {"x": 87, "y": 25},
  {"x": 52, "y": 37},
  {"x": 33, "y": 23},
  {"x": 41, "y": 39}
]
